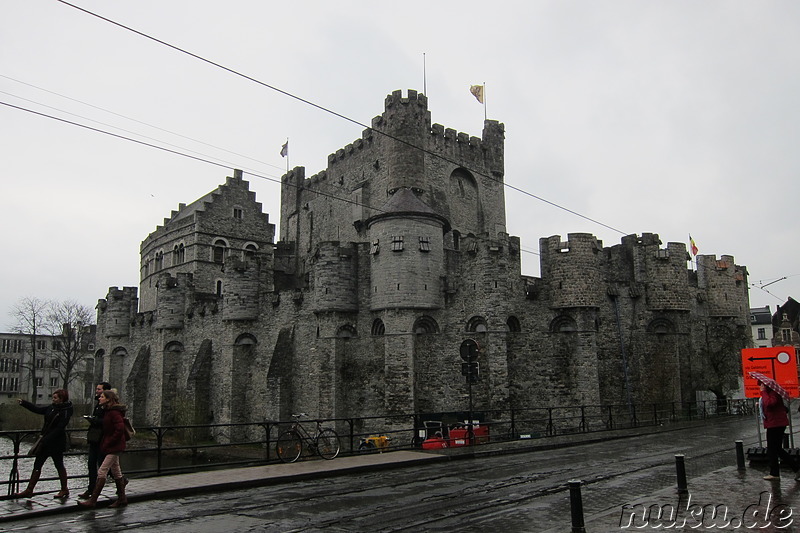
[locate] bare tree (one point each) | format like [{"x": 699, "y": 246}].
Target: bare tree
[
  {"x": 29, "y": 315},
  {"x": 70, "y": 325}
]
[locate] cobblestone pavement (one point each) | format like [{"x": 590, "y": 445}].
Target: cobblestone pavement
[{"x": 490, "y": 488}]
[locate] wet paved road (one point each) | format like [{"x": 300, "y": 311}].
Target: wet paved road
[{"x": 516, "y": 492}]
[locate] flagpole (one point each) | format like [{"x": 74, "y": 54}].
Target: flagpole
[
  {"x": 485, "y": 115},
  {"x": 424, "y": 76}
]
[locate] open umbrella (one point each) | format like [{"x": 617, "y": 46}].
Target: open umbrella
[{"x": 770, "y": 383}]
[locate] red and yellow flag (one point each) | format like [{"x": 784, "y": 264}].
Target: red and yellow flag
[{"x": 693, "y": 245}]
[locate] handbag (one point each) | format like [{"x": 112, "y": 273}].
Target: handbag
[
  {"x": 129, "y": 431},
  {"x": 34, "y": 451}
]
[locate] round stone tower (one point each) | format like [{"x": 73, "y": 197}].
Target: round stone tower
[{"x": 407, "y": 254}]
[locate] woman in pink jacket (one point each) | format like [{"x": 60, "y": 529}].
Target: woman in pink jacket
[
  {"x": 775, "y": 422},
  {"x": 111, "y": 445}
]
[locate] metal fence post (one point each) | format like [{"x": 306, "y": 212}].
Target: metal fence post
[
  {"x": 680, "y": 467},
  {"x": 740, "y": 455},
  {"x": 576, "y": 506}
]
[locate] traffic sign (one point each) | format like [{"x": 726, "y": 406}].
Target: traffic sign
[
  {"x": 777, "y": 362},
  {"x": 469, "y": 350}
]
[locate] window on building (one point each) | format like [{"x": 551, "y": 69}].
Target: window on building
[
  {"x": 6, "y": 346},
  {"x": 250, "y": 251},
  {"x": 786, "y": 335},
  {"x": 424, "y": 244},
  {"x": 55, "y": 363},
  {"x": 397, "y": 243},
  {"x": 54, "y": 382},
  {"x": 376, "y": 247},
  {"x": 762, "y": 333},
  {"x": 159, "y": 261},
  {"x": 178, "y": 254},
  {"x": 41, "y": 345},
  {"x": 39, "y": 382},
  {"x": 219, "y": 288},
  {"x": 40, "y": 363},
  {"x": 56, "y": 345},
  {"x": 238, "y": 213},
  {"x": 220, "y": 251}
]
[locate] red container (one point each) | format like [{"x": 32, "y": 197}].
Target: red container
[{"x": 434, "y": 443}]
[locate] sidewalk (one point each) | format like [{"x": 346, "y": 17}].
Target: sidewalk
[{"x": 151, "y": 488}]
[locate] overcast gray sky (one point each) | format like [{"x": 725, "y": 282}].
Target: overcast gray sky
[{"x": 663, "y": 116}]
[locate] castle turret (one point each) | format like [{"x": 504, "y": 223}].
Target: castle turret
[
  {"x": 115, "y": 313},
  {"x": 723, "y": 282},
  {"x": 407, "y": 251},
  {"x": 572, "y": 266}
]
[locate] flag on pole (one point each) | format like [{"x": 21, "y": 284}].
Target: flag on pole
[
  {"x": 285, "y": 149},
  {"x": 693, "y": 245},
  {"x": 477, "y": 91}
]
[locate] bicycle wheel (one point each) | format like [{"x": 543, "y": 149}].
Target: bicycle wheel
[
  {"x": 327, "y": 444},
  {"x": 289, "y": 446}
]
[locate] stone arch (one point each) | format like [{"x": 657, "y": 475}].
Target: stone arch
[
  {"x": 477, "y": 324},
  {"x": 425, "y": 325},
  {"x": 198, "y": 387},
  {"x": 346, "y": 331},
  {"x": 463, "y": 189},
  {"x": 170, "y": 366},
  {"x": 116, "y": 366},
  {"x": 513, "y": 324},
  {"x": 137, "y": 388},
  {"x": 661, "y": 326},
  {"x": 563, "y": 324},
  {"x": 244, "y": 354}
]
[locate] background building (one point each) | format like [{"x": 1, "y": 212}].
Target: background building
[
  {"x": 761, "y": 326},
  {"x": 15, "y": 371},
  {"x": 387, "y": 261}
]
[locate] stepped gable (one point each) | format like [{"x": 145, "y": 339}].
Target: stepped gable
[{"x": 188, "y": 210}]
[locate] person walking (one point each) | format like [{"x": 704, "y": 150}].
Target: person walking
[
  {"x": 112, "y": 444},
  {"x": 53, "y": 442},
  {"x": 775, "y": 422},
  {"x": 93, "y": 436}
]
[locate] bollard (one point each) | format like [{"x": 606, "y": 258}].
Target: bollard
[
  {"x": 576, "y": 506},
  {"x": 740, "y": 455},
  {"x": 681, "y": 471}
]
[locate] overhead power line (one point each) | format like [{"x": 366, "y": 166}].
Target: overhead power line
[{"x": 334, "y": 113}]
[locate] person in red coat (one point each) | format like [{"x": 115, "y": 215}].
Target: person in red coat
[
  {"x": 775, "y": 422},
  {"x": 112, "y": 443}
]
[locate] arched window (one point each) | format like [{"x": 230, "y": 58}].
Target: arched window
[
  {"x": 345, "y": 332},
  {"x": 378, "y": 328},
  {"x": 220, "y": 250},
  {"x": 513, "y": 324},
  {"x": 178, "y": 254},
  {"x": 219, "y": 287},
  {"x": 563, "y": 324},
  {"x": 661, "y": 326},
  {"x": 173, "y": 348},
  {"x": 425, "y": 325},
  {"x": 477, "y": 324},
  {"x": 159, "y": 261},
  {"x": 250, "y": 250},
  {"x": 245, "y": 339}
]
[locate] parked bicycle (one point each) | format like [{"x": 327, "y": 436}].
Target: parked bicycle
[{"x": 294, "y": 441}]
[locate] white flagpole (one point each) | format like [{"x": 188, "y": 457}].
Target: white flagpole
[{"x": 485, "y": 115}]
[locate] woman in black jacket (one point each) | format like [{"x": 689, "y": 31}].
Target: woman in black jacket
[{"x": 54, "y": 440}]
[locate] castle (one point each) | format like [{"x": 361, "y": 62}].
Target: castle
[{"x": 386, "y": 262}]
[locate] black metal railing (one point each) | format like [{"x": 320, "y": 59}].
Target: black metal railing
[{"x": 160, "y": 450}]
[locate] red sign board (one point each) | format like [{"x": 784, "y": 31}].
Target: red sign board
[{"x": 778, "y": 363}]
